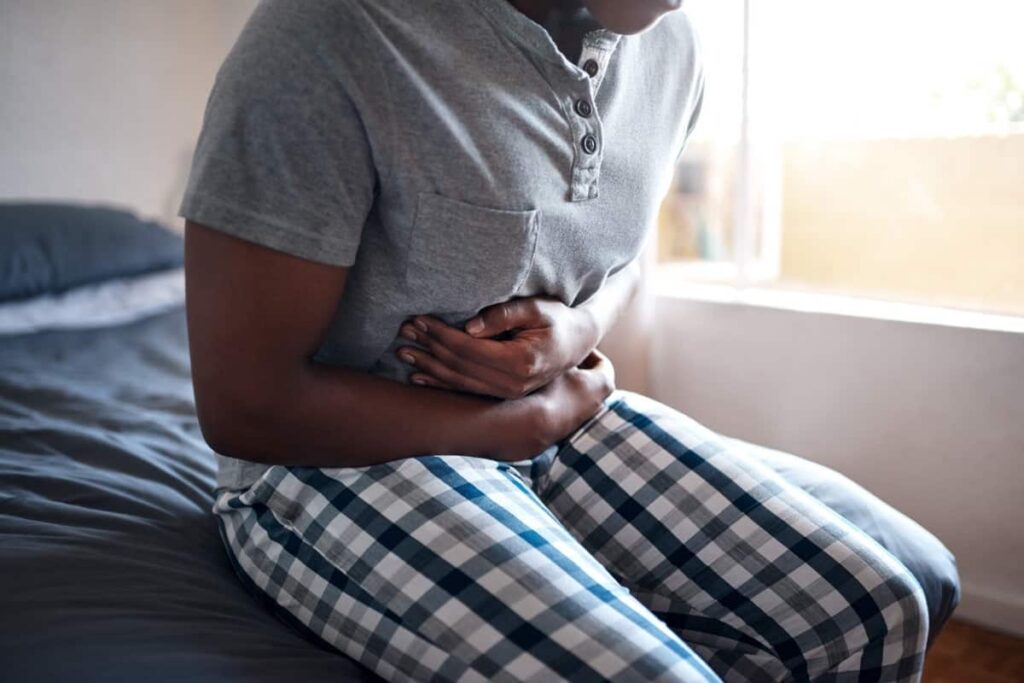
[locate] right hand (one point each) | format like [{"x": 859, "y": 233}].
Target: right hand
[{"x": 562, "y": 406}]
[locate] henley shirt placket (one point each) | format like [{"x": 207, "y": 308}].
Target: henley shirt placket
[{"x": 580, "y": 105}]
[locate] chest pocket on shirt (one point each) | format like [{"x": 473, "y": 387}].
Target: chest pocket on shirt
[{"x": 463, "y": 257}]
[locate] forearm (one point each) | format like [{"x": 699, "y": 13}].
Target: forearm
[
  {"x": 337, "y": 417},
  {"x": 604, "y": 308}
]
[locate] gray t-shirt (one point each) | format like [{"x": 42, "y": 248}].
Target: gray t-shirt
[{"x": 446, "y": 151}]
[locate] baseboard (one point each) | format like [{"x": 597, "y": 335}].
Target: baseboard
[{"x": 991, "y": 609}]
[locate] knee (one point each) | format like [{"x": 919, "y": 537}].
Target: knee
[
  {"x": 934, "y": 568},
  {"x": 911, "y": 616},
  {"x": 940, "y": 582},
  {"x": 887, "y": 636},
  {"x": 897, "y": 633}
]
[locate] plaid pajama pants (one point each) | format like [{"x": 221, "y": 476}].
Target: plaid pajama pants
[{"x": 647, "y": 548}]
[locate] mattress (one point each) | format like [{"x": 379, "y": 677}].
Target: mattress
[{"x": 110, "y": 561}]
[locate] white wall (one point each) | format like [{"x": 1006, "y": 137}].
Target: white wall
[
  {"x": 930, "y": 418},
  {"x": 101, "y": 100}
]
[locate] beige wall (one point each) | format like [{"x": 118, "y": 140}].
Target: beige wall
[
  {"x": 102, "y": 99},
  {"x": 932, "y": 220}
]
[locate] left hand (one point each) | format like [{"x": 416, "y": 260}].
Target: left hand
[{"x": 540, "y": 338}]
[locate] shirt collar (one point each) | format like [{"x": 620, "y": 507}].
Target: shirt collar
[{"x": 531, "y": 35}]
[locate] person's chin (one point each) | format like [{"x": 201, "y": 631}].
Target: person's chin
[{"x": 634, "y": 20}]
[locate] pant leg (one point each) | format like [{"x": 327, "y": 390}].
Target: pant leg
[
  {"x": 931, "y": 563},
  {"x": 761, "y": 579},
  {"x": 443, "y": 568}
]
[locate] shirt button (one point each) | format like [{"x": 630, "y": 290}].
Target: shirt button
[
  {"x": 591, "y": 67},
  {"x": 583, "y": 108},
  {"x": 589, "y": 143}
]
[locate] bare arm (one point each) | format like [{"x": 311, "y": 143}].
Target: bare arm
[{"x": 256, "y": 315}]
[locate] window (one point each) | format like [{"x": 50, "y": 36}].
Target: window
[{"x": 870, "y": 148}]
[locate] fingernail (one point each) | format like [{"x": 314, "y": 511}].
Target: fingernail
[
  {"x": 408, "y": 333},
  {"x": 475, "y": 325},
  {"x": 419, "y": 380},
  {"x": 408, "y": 358},
  {"x": 420, "y": 324}
]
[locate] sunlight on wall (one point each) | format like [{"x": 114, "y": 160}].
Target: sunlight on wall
[
  {"x": 931, "y": 220},
  {"x": 887, "y": 150}
]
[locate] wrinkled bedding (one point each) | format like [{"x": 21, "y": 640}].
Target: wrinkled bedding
[{"x": 110, "y": 561}]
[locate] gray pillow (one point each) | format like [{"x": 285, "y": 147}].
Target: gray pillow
[{"x": 50, "y": 248}]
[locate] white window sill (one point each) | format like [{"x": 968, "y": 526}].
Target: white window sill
[{"x": 669, "y": 283}]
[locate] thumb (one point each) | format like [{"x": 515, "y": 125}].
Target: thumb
[
  {"x": 503, "y": 317},
  {"x": 599, "y": 365}
]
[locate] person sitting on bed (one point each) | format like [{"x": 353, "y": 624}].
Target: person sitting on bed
[{"x": 409, "y": 226}]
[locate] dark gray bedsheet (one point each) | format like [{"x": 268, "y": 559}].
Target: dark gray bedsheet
[{"x": 111, "y": 566}]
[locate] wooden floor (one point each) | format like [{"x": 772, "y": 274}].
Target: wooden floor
[{"x": 965, "y": 653}]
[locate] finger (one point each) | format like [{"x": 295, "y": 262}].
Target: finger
[
  {"x": 515, "y": 358},
  {"x": 497, "y": 383},
  {"x": 433, "y": 368},
  {"x": 424, "y": 380},
  {"x": 508, "y": 315},
  {"x": 504, "y": 356},
  {"x": 500, "y": 380}
]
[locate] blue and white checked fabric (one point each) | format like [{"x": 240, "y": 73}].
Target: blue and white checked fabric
[{"x": 648, "y": 549}]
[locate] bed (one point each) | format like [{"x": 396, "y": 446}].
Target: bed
[{"x": 110, "y": 561}]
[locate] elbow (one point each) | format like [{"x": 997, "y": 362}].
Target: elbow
[
  {"x": 220, "y": 435},
  {"x": 237, "y": 423}
]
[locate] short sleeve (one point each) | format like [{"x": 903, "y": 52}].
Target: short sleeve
[
  {"x": 694, "y": 117},
  {"x": 283, "y": 158}
]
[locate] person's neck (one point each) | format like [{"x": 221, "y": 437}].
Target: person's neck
[
  {"x": 561, "y": 18},
  {"x": 541, "y": 11}
]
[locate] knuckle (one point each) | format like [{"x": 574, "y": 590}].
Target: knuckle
[
  {"x": 521, "y": 389},
  {"x": 438, "y": 333},
  {"x": 429, "y": 343},
  {"x": 502, "y": 314},
  {"x": 609, "y": 385},
  {"x": 529, "y": 364},
  {"x": 453, "y": 345}
]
